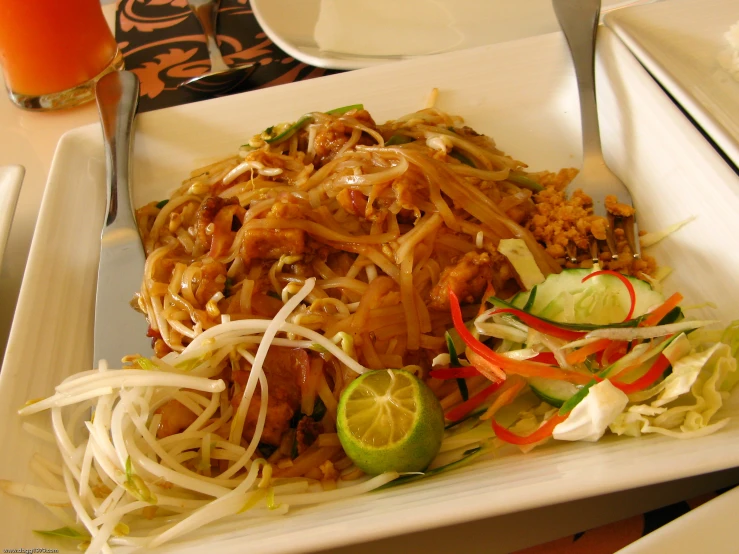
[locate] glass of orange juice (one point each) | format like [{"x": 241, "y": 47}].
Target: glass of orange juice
[{"x": 53, "y": 51}]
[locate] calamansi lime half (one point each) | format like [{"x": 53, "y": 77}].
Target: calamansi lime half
[{"x": 389, "y": 420}]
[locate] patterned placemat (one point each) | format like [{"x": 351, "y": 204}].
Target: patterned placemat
[{"x": 163, "y": 44}]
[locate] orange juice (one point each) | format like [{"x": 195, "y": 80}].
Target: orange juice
[{"x": 52, "y": 46}]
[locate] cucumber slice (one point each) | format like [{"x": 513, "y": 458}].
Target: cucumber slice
[
  {"x": 602, "y": 300},
  {"x": 497, "y": 302},
  {"x": 553, "y": 391},
  {"x": 524, "y": 300}
]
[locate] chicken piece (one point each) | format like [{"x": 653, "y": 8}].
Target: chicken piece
[
  {"x": 287, "y": 208},
  {"x": 212, "y": 280},
  {"x": 468, "y": 278},
  {"x": 353, "y": 201},
  {"x": 226, "y": 223},
  {"x": 271, "y": 244},
  {"x": 205, "y": 215},
  {"x": 307, "y": 433},
  {"x": 175, "y": 418},
  {"x": 282, "y": 367},
  {"x": 331, "y": 138}
]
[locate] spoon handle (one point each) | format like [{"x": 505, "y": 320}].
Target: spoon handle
[
  {"x": 579, "y": 22},
  {"x": 206, "y": 11}
]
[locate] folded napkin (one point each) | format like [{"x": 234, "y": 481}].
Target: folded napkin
[
  {"x": 383, "y": 28},
  {"x": 390, "y": 27}
]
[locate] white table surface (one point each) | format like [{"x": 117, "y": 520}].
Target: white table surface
[{"x": 30, "y": 139}]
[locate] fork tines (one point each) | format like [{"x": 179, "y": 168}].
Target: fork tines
[{"x": 631, "y": 234}]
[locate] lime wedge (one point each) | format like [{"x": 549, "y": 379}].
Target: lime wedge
[{"x": 389, "y": 420}]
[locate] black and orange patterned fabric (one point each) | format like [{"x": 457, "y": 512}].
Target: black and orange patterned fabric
[{"x": 163, "y": 44}]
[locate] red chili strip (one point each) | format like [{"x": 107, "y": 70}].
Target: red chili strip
[
  {"x": 454, "y": 372},
  {"x": 458, "y": 412},
  {"x": 542, "y": 326},
  {"x": 499, "y": 363},
  {"x": 625, "y": 281},
  {"x": 545, "y": 358},
  {"x": 543, "y": 432},
  {"x": 465, "y": 334},
  {"x": 614, "y": 351},
  {"x": 645, "y": 381}
]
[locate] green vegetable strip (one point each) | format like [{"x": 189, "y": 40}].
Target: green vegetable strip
[
  {"x": 345, "y": 109},
  {"x": 287, "y": 133},
  {"x": 462, "y": 158},
  {"x": 454, "y": 362},
  {"x": 467, "y": 457},
  {"x": 290, "y": 131},
  {"x": 576, "y": 398},
  {"x": 398, "y": 139},
  {"x": 525, "y": 182}
]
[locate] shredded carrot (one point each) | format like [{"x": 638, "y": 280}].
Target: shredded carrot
[
  {"x": 515, "y": 383},
  {"x": 489, "y": 291},
  {"x": 458, "y": 412},
  {"x": 530, "y": 369},
  {"x": 581, "y": 354},
  {"x": 485, "y": 366},
  {"x": 658, "y": 313}
]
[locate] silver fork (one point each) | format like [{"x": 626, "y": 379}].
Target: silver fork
[{"x": 579, "y": 22}]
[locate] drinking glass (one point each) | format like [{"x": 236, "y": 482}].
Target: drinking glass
[{"x": 53, "y": 51}]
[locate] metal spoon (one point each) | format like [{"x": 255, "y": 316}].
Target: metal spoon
[{"x": 220, "y": 78}]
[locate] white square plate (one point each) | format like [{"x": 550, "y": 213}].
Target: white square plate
[
  {"x": 679, "y": 43},
  {"x": 521, "y": 93},
  {"x": 11, "y": 177}
]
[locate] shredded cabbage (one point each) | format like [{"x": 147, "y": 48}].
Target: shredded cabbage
[
  {"x": 650, "y": 239},
  {"x": 687, "y": 399},
  {"x": 589, "y": 420},
  {"x": 523, "y": 262}
]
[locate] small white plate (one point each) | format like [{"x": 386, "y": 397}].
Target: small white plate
[
  {"x": 710, "y": 527},
  {"x": 523, "y": 94},
  {"x": 290, "y": 24},
  {"x": 679, "y": 42},
  {"x": 11, "y": 177}
]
